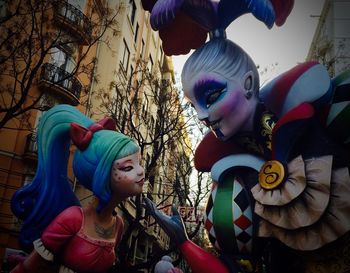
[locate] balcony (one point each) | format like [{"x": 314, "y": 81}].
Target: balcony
[
  {"x": 73, "y": 20},
  {"x": 60, "y": 82},
  {"x": 30, "y": 154}
]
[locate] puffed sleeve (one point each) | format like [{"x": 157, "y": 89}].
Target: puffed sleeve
[{"x": 61, "y": 229}]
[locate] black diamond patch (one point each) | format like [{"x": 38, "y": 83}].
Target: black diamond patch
[
  {"x": 241, "y": 200},
  {"x": 244, "y": 237}
]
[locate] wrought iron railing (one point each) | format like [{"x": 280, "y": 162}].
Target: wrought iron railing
[
  {"x": 74, "y": 16},
  {"x": 58, "y": 76}
]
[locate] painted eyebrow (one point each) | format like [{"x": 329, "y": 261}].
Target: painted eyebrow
[
  {"x": 206, "y": 84},
  {"x": 121, "y": 163}
]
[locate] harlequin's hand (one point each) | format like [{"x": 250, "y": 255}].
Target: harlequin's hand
[{"x": 172, "y": 225}]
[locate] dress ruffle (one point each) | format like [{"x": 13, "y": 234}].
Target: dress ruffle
[
  {"x": 64, "y": 269},
  {"x": 42, "y": 250},
  {"x": 306, "y": 217},
  {"x": 47, "y": 255}
]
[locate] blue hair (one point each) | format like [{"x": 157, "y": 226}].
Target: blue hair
[{"x": 50, "y": 192}]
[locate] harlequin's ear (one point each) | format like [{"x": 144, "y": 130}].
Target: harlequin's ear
[{"x": 248, "y": 81}]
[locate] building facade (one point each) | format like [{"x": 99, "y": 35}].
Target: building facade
[
  {"x": 331, "y": 41},
  {"x": 44, "y": 49},
  {"x": 85, "y": 57},
  {"x": 135, "y": 85}
]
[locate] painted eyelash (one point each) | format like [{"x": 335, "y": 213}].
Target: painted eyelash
[
  {"x": 208, "y": 86},
  {"x": 214, "y": 90},
  {"x": 125, "y": 168}
]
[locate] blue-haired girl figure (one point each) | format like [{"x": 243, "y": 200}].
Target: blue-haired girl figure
[{"x": 67, "y": 237}]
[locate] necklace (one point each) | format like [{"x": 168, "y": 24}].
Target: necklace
[{"x": 104, "y": 233}]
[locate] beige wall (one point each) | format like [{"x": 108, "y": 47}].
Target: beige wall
[{"x": 332, "y": 35}]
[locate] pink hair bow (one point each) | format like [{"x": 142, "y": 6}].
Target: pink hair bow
[{"x": 82, "y": 136}]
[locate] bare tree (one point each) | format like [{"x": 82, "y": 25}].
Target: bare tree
[
  {"x": 332, "y": 54},
  {"x": 37, "y": 43},
  {"x": 149, "y": 109}
]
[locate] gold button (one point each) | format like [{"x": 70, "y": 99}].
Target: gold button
[{"x": 271, "y": 174}]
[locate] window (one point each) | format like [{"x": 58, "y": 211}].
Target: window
[
  {"x": 131, "y": 72},
  {"x": 145, "y": 104},
  {"x": 142, "y": 48},
  {"x": 150, "y": 63},
  {"x": 62, "y": 59},
  {"x": 119, "y": 108},
  {"x": 63, "y": 65},
  {"x": 124, "y": 119},
  {"x": 79, "y": 4},
  {"x": 152, "y": 123},
  {"x": 126, "y": 57},
  {"x": 136, "y": 33},
  {"x": 132, "y": 11},
  {"x": 160, "y": 187},
  {"x": 161, "y": 56},
  {"x": 3, "y": 9}
]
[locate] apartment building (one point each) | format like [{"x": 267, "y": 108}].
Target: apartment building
[
  {"x": 46, "y": 50},
  {"x": 133, "y": 77},
  {"x": 85, "y": 55},
  {"x": 331, "y": 41}
]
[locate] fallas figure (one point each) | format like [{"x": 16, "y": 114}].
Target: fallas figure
[{"x": 278, "y": 155}]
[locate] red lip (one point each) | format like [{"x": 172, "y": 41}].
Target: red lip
[{"x": 141, "y": 182}]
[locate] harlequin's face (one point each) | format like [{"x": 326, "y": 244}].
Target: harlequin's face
[
  {"x": 127, "y": 176},
  {"x": 221, "y": 103}
]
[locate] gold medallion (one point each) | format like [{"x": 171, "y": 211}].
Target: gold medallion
[{"x": 271, "y": 174}]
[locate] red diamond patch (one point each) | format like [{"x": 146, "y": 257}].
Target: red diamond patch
[{"x": 243, "y": 222}]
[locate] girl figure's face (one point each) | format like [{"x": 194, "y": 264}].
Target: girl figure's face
[
  {"x": 127, "y": 176},
  {"x": 222, "y": 103}
]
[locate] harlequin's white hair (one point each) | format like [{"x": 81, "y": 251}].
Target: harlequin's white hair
[{"x": 223, "y": 57}]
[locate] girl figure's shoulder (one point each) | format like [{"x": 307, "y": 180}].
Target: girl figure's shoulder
[
  {"x": 72, "y": 212},
  {"x": 71, "y": 218}
]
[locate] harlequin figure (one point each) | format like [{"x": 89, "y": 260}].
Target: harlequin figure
[
  {"x": 67, "y": 237},
  {"x": 278, "y": 157}
]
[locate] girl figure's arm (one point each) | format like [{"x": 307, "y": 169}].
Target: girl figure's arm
[
  {"x": 198, "y": 259},
  {"x": 61, "y": 229},
  {"x": 33, "y": 263}
]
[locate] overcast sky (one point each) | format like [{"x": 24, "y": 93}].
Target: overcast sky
[{"x": 279, "y": 48}]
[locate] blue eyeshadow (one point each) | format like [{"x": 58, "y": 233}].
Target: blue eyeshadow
[{"x": 205, "y": 87}]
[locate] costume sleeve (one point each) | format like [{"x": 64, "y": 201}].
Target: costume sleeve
[
  {"x": 62, "y": 228},
  {"x": 201, "y": 261}
]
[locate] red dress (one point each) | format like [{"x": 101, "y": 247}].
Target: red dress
[{"x": 66, "y": 240}]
